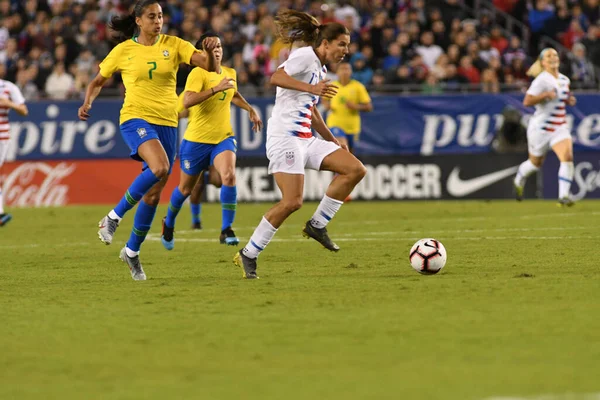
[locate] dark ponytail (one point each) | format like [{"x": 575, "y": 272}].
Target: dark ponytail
[
  {"x": 295, "y": 26},
  {"x": 125, "y": 26}
]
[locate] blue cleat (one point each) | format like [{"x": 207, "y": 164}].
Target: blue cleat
[
  {"x": 228, "y": 237},
  {"x": 4, "y": 219},
  {"x": 167, "y": 239}
]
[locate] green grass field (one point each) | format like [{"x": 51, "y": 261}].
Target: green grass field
[{"x": 513, "y": 314}]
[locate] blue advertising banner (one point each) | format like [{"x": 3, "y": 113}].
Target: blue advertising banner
[
  {"x": 586, "y": 180},
  {"x": 425, "y": 125}
]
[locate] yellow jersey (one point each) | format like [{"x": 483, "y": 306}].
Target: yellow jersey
[
  {"x": 150, "y": 75},
  {"x": 340, "y": 116},
  {"x": 210, "y": 121}
]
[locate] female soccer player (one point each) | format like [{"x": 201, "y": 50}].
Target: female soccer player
[
  {"x": 148, "y": 62},
  {"x": 345, "y": 107},
  {"x": 209, "y": 140},
  {"x": 291, "y": 146},
  {"x": 11, "y": 98},
  {"x": 549, "y": 92}
]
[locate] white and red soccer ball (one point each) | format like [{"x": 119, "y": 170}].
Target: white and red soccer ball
[{"x": 428, "y": 256}]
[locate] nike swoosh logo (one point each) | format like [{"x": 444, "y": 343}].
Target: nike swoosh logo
[{"x": 458, "y": 188}]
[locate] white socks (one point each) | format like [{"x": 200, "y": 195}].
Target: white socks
[
  {"x": 326, "y": 210},
  {"x": 1, "y": 202},
  {"x": 261, "y": 237},
  {"x": 113, "y": 215},
  {"x": 525, "y": 169},
  {"x": 131, "y": 253},
  {"x": 565, "y": 178}
]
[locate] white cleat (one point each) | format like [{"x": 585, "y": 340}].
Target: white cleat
[
  {"x": 107, "y": 229},
  {"x": 134, "y": 264}
]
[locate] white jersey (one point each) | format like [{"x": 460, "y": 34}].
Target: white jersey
[
  {"x": 8, "y": 90},
  {"x": 550, "y": 115},
  {"x": 292, "y": 113}
]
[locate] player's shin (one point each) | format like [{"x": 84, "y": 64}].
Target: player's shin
[
  {"x": 177, "y": 200},
  {"x": 261, "y": 237},
  {"x": 325, "y": 212},
  {"x": 565, "y": 178},
  {"x": 228, "y": 205},
  {"x": 141, "y": 225},
  {"x": 136, "y": 191}
]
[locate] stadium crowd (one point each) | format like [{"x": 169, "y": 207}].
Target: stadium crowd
[{"x": 52, "y": 48}]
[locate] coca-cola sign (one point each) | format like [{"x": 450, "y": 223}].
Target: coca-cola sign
[{"x": 37, "y": 184}]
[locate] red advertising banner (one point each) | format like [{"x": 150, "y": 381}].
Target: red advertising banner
[{"x": 59, "y": 183}]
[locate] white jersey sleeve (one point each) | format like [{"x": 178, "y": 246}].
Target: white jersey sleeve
[
  {"x": 298, "y": 62},
  {"x": 15, "y": 94},
  {"x": 539, "y": 85}
]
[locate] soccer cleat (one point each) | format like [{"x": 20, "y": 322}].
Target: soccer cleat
[
  {"x": 197, "y": 226},
  {"x": 167, "y": 239},
  {"x": 320, "y": 235},
  {"x": 248, "y": 265},
  {"x": 134, "y": 264},
  {"x": 565, "y": 202},
  {"x": 228, "y": 237},
  {"x": 4, "y": 219},
  {"x": 107, "y": 226},
  {"x": 518, "y": 192}
]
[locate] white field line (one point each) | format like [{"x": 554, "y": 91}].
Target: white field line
[
  {"x": 425, "y": 232},
  {"x": 566, "y": 396}
]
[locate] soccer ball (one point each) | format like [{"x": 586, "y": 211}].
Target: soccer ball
[{"x": 427, "y": 256}]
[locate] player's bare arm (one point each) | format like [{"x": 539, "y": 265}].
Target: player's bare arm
[{"x": 239, "y": 101}]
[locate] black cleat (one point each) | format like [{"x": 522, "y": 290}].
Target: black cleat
[
  {"x": 4, "y": 219},
  {"x": 228, "y": 237},
  {"x": 320, "y": 235},
  {"x": 197, "y": 226},
  {"x": 248, "y": 265},
  {"x": 166, "y": 238}
]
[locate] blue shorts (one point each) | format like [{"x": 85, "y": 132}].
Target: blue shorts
[
  {"x": 195, "y": 157},
  {"x": 137, "y": 131},
  {"x": 337, "y": 132}
]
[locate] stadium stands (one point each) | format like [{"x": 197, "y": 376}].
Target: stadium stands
[{"x": 52, "y": 48}]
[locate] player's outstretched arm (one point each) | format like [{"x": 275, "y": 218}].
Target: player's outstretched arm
[
  {"x": 206, "y": 59},
  {"x": 92, "y": 91},
  {"x": 283, "y": 80},
  {"x": 239, "y": 101}
]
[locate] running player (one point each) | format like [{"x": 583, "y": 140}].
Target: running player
[
  {"x": 148, "y": 61},
  {"x": 211, "y": 176},
  {"x": 345, "y": 107},
  {"x": 549, "y": 93},
  {"x": 11, "y": 98},
  {"x": 209, "y": 140},
  {"x": 291, "y": 146}
]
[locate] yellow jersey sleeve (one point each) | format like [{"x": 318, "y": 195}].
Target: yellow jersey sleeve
[
  {"x": 110, "y": 64},
  {"x": 185, "y": 51},
  {"x": 363, "y": 95},
  {"x": 197, "y": 81}
]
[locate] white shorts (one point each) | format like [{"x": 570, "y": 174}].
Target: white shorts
[
  {"x": 540, "y": 141},
  {"x": 3, "y": 150},
  {"x": 291, "y": 155}
]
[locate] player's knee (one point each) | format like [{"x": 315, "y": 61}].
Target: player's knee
[
  {"x": 228, "y": 177},
  {"x": 152, "y": 198},
  {"x": 185, "y": 190},
  {"x": 161, "y": 170},
  {"x": 292, "y": 204},
  {"x": 358, "y": 171}
]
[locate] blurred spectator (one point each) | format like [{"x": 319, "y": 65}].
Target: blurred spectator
[
  {"x": 468, "y": 70},
  {"x": 393, "y": 59},
  {"x": 428, "y": 49},
  {"x": 497, "y": 39},
  {"x": 490, "y": 82},
  {"x": 580, "y": 70},
  {"x": 60, "y": 84},
  {"x": 431, "y": 85},
  {"x": 361, "y": 71}
]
